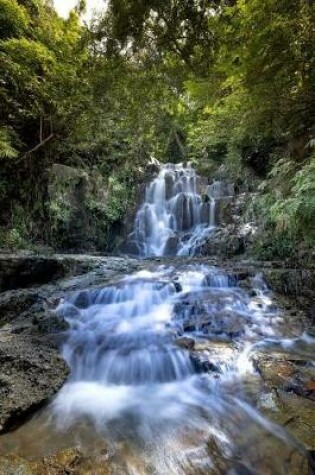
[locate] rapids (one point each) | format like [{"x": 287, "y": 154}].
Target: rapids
[
  {"x": 137, "y": 382},
  {"x": 162, "y": 361}
]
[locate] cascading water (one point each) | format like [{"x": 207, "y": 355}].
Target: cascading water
[
  {"x": 140, "y": 377},
  {"x": 174, "y": 214},
  {"x": 162, "y": 361}
]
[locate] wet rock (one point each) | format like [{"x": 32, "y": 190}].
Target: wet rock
[
  {"x": 39, "y": 318},
  {"x": 152, "y": 169},
  {"x": 211, "y": 355},
  {"x": 132, "y": 247},
  {"x": 178, "y": 287},
  {"x": 223, "y": 323},
  {"x": 169, "y": 183},
  {"x": 178, "y": 211},
  {"x": 19, "y": 271},
  {"x": 202, "y": 364},
  {"x": 296, "y": 414},
  {"x": 287, "y": 372},
  {"x": 223, "y": 242},
  {"x": 185, "y": 342},
  {"x": 187, "y": 213},
  {"x": 52, "y": 323},
  {"x": 82, "y": 300},
  {"x": 65, "y": 462},
  {"x": 217, "y": 456},
  {"x": 171, "y": 246},
  {"x": 15, "y": 465}
]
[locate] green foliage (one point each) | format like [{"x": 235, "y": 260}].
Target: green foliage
[
  {"x": 14, "y": 19},
  {"x": 59, "y": 212},
  {"x": 12, "y": 239},
  {"x": 279, "y": 246},
  {"x": 285, "y": 210},
  {"x": 6, "y": 149},
  {"x": 295, "y": 211},
  {"x": 223, "y": 82},
  {"x": 18, "y": 235},
  {"x": 119, "y": 196}
]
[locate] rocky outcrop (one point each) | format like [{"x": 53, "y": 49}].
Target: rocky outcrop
[
  {"x": 225, "y": 242},
  {"x": 292, "y": 281},
  {"x": 19, "y": 271},
  {"x": 288, "y": 392},
  {"x": 30, "y": 374}
]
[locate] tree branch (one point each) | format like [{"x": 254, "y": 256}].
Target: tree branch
[{"x": 39, "y": 145}]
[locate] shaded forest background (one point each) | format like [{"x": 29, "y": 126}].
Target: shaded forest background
[{"x": 222, "y": 83}]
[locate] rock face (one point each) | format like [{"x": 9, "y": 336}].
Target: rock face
[
  {"x": 18, "y": 271},
  {"x": 30, "y": 374},
  {"x": 292, "y": 282}
]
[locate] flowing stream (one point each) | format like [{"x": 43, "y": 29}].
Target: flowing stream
[{"x": 162, "y": 361}]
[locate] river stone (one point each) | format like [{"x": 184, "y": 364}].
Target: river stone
[
  {"x": 202, "y": 364},
  {"x": 19, "y": 271},
  {"x": 82, "y": 300},
  {"x": 14, "y": 302},
  {"x": 185, "y": 342}
]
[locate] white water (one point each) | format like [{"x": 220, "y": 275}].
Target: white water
[
  {"x": 132, "y": 381},
  {"x": 178, "y": 412},
  {"x": 174, "y": 215}
]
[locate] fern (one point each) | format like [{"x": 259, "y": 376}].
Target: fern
[{"x": 6, "y": 148}]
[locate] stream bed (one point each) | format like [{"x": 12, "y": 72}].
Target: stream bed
[{"x": 165, "y": 378}]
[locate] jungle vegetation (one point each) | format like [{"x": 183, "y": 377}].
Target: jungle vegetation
[{"x": 218, "y": 82}]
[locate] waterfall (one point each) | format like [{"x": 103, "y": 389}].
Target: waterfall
[
  {"x": 164, "y": 361},
  {"x": 174, "y": 213}
]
